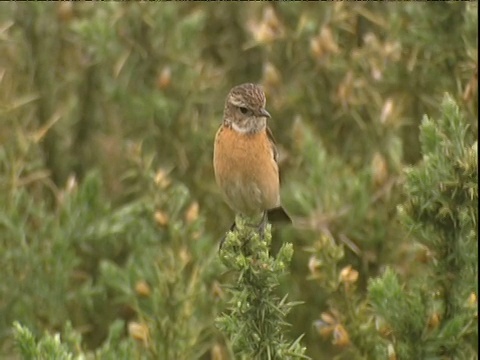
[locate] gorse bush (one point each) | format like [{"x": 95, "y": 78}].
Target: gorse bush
[
  {"x": 434, "y": 314},
  {"x": 110, "y": 217},
  {"x": 256, "y": 319}
]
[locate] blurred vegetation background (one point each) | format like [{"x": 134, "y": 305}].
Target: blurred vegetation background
[{"x": 110, "y": 217}]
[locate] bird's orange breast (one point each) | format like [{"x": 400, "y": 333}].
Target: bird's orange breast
[{"x": 246, "y": 171}]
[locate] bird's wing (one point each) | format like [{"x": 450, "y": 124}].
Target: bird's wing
[{"x": 273, "y": 144}]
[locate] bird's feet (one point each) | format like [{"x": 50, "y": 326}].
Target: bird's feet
[
  {"x": 261, "y": 227},
  {"x": 222, "y": 240}
]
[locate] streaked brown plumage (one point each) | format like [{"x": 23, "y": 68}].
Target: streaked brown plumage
[{"x": 245, "y": 156}]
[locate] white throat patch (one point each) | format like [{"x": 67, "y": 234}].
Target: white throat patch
[{"x": 239, "y": 129}]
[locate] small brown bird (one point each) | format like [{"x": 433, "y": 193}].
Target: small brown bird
[{"x": 245, "y": 157}]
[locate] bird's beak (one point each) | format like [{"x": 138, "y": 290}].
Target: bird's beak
[{"x": 264, "y": 113}]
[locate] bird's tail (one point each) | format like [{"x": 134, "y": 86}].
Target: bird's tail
[{"x": 278, "y": 214}]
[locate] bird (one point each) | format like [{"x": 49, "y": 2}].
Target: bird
[{"x": 245, "y": 158}]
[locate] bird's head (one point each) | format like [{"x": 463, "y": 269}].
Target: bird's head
[{"x": 245, "y": 109}]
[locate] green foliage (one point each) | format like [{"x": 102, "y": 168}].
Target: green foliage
[
  {"x": 49, "y": 347},
  {"x": 255, "y": 321},
  {"x": 85, "y": 258},
  {"x": 406, "y": 312},
  {"x": 167, "y": 287},
  {"x": 434, "y": 314},
  {"x": 442, "y": 210}
]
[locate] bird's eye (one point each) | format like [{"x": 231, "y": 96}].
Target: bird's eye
[{"x": 243, "y": 110}]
